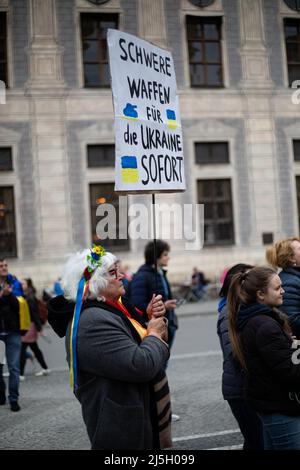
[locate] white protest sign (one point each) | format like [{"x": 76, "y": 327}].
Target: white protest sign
[{"x": 149, "y": 147}]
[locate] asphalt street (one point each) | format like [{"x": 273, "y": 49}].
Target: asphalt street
[{"x": 50, "y": 417}]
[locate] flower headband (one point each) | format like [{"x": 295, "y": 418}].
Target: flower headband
[{"x": 94, "y": 261}]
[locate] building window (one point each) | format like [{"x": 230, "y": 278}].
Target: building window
[
  {"x": 293, "y": 4},
  {"x": 3, "y": 48},
  {"x": 211, "y": 152},
  {"x": 5, "y": 159},
  {"x": 8, "y": 245},
  {"x": 268, "y": 238},
  {"x": 296, "y": 146},
  {"x": 205, "y": 51},
  {"x": 94, "y": 47},
  {"x": 202, "y": 3},
  {"x": 102, "y": 193},
  {"x": 218, "y": 214},
  {"x": 292, "y": 41},
  {"x": 100, "y": 156}
]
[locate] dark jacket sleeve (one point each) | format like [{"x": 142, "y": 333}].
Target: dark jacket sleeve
[
  {"x": 10, "y": 301},
  {"x": 275, "y": 348},
  {"x": 223, "y": 333},
  {"x": 9, "y": 313},
  {"x": 233, "y": 375},
  {"x": 141, "y": 290},
  {"x": 291, "y": 301},
  {"x": 106, "y": 348}
]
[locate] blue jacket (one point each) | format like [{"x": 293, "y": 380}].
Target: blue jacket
[
  {"x": 290, "y": 278},
  {"x": 142, "y": 288},
  {"x": 17, "y": 289},
  {"x": 233, "y": 374}
]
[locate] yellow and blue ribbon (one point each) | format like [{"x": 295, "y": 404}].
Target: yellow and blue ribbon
[{"x": 81, "y": 294}]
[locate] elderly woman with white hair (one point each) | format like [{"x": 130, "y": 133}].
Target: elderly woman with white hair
[{"x": 116, "y": 360}]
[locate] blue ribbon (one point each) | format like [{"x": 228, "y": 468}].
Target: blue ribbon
[{"x": 79, "y": 301}]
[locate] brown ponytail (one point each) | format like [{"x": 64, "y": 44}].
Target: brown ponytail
[
  {"x": 234, "y": 298},
  {"x": 243, "y": 289}
]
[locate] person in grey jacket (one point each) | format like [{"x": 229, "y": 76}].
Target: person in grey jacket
[
  {"x": 116, "y": 359},
  {"x": 285, "y": 254}
]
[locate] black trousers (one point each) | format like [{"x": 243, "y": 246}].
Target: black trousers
[
  {"x": 36, "y": 351},
  {"x": 2, "y": 383}
]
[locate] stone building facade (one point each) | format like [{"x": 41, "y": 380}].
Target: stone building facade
[{"x": 240, "y": 123}]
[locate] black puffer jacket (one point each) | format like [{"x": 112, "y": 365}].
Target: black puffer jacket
[
  {"x": 34, "y": 311},
  {"x": 290, "y": 278},
  {"x": 233, "y": 376},
  {"x": 273, "y": 377},
  {"x": 9, "y": 314},
  {"x": 60, "y": 313}
]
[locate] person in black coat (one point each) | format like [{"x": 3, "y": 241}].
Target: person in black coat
[
  {"x": 262, "y": 342},
  {"x": 233, "y": 376},
  {"x": 285, "y": 254},
  {"x": 146, "y": 282},
  {"x": 10, "y": 334}
]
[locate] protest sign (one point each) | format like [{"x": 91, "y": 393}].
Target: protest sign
[{"x": 149, "y": 147}]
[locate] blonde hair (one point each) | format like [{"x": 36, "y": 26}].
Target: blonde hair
[
  {"x": 279, "y": 255},
  {"x": 74, "y": 269}
]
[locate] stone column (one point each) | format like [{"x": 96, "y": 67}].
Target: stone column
[
  {"x": 152, "y": 24},
  {"x": 46, "y": 91},
  {"x": 260, "y": 140},
  {"x": 44, "y": 52},
  {"x": 255, "y": 60}
]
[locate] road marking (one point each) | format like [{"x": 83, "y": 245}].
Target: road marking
[
  {"x": 60, "y": 369},
  {"x": 240, "y": 446},
  {"x": 199, "y": 354},
  {"x": 201, "y": 436}
]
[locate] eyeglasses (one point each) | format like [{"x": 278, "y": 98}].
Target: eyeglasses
[{"x": 115, "y": 273}]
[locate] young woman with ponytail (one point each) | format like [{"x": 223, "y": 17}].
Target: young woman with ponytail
[
  {"x": 285, "y": 254},
  {"x": 233, "y": 376},
  {"x": 262, "y": 342}
]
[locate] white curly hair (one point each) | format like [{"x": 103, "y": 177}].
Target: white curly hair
[{"x": 74, "y": 269}]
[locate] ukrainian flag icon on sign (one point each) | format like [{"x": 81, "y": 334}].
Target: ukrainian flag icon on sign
[
  {"x": 129, "y": 172},
  {"x": 171, "y": 116}
]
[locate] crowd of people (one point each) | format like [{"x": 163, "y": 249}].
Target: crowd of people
[
  {"x": 119, "y": 329},
  {"x": 22, "y": 317},
  {"x": 258, "y": 327}
]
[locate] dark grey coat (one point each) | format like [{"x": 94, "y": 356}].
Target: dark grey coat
[
  {"x": 114, "y": 375},
  {"x": 233, "y": 374},
  {"x": 290, "y": 278}
]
